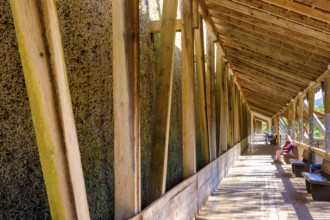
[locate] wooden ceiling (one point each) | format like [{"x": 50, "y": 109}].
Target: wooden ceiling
[{"x": 275, "y": 47}]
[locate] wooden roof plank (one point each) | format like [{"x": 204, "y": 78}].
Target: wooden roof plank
[
  {"x": 301, "y": 9},
  {"x": 232, "y": 23},
  {"x": 251, "y": 12},
  {"x": 217, "y": 11}
]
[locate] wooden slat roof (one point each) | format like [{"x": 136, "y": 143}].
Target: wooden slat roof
[{"x": 275, "y": 47}]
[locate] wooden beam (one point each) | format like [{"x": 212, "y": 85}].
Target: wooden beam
[
  {"x": 256, "y": 29},
  {"x": 301, "y": 9},
  {"x": 188, "y": 90},
  {"x": 239, "y": 41},
  {"x": 221, "y": 123},
  {"x": 293, "y": 16},
  {"x": 244, "y": 74},
  {"x": 300, "y": 111},
  {"x": 327, "y": 112},
  {"x": 253, "y": 13},
  {"x": 155, "y": 26},
  {"x": 293, "y": 118},
  {"x": 210, "y": 89},
  {"x": 217, "y": 14},
  {"x": 224, "y": 116},
  {"x": 261, "y": 111},
  {"x": 289, "y": 45},
  {"x": 40, "y": 47},
  {"x": 311, "y": 94},
  {"x": 200, "y": 63},
  {"x": 272, "y": 70},
  {"x": 127, "y": 150},
  {"x": 317, "y": 4},
  {"x": 230, "y": 125},
  {"x": 161, "y": 123}
]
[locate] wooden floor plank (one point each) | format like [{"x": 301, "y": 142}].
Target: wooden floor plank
[{"x": 257, "y": 188}]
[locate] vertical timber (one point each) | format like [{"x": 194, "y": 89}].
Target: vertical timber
[
  {"x": 211, "y": 94},
  {"x": 290, "y": 119},
  {"x": 164, "y": 81},
  {"x": 311, "y": 94},
  {"x": 300, "y": 113},
  {"x": 188, "y": 90},
  {"x": 327, "y": 112},
  {"x": 293, "y": 118},
  {"x": 224, "y": 110},
  {"x": 230, "y": 124},
  {"x": 126, "y": 108},
  {"x": 41, "y": 52},
  {"x": 201, "y": 91}
]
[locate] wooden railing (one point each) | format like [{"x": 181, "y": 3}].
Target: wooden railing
[{"x": 315, "y": 150}]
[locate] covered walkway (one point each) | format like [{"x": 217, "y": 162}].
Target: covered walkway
[{"x": 257, "y": 188}]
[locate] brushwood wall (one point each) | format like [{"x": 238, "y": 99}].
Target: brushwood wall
[{"x": 86, "y": 29}]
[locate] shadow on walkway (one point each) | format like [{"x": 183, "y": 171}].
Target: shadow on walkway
[{"x": 258, "y": 188}]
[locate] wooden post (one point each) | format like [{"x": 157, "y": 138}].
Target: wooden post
[
  {"x": 188, "y": 91},
  {"x": 300, "y": 112},
  {"x": 125, "y": 20},
  {"x": 277, "y": 129},
  {"x": 230, "y": 125},
  {"x": 41, "y": 51},
  {"x": 327, "y": 112},
  {"x": 293, "y": 118},
  {"x": 161, "y": 123},
  {"x": 224, "y": 109},
  {"x": 289, "y": 119},
  {"x": 201, "y": 91},
  {"x": 220, "y": 68},
  {"x": 210, "y": 75},
  {"x": 311, "y": 94}
]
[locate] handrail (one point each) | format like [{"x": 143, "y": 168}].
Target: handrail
[{"x": 315, "y": 150}]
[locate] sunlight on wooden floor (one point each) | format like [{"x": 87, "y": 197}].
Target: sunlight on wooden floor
[{"x": 257, "y": 188}]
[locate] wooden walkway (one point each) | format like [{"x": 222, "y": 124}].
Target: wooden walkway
[{"x": 257, "y": 188}]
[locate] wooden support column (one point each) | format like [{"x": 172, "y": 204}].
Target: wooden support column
[
  {"x": 327, "y": 112},
  {"x": 224, "y": 109},
  {"x": 125, "y": 22},
  {"x": 300, "y": 112},
  {"x": 40, "y": 47},
  {"x": 235, "y": 114},
  {"x": 230, "y": 128},
  {"x": 201, "y": 91},
  {"x": 289, "y": 119},
  {"x": 277, "y": 129},
  {"x": 210, "y": 90},
  {"x": 220, "y": 68},
  {"x": 293, "y": 119},
  {"x": 188, "y": 91},
  {"x": 311, "y": 94},
  {"x": 161, "y": 122}
]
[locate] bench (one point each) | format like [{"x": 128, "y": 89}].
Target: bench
[
  {"x": 293, "y": 154},
  {"x": 299, "y": 166},
  {"x": 318, "y": 184}
]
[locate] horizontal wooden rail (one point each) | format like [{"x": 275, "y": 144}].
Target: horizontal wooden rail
[{"x": 315, "y": 150}]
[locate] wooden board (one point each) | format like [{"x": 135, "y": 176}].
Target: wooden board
[
  {"x": 161, "y": 121},
  {"x": 126, "y": 108},
  {"x": 40, "y": 46}
]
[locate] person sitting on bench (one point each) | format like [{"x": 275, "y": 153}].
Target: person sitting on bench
[{"x": 285, "y": 149}]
